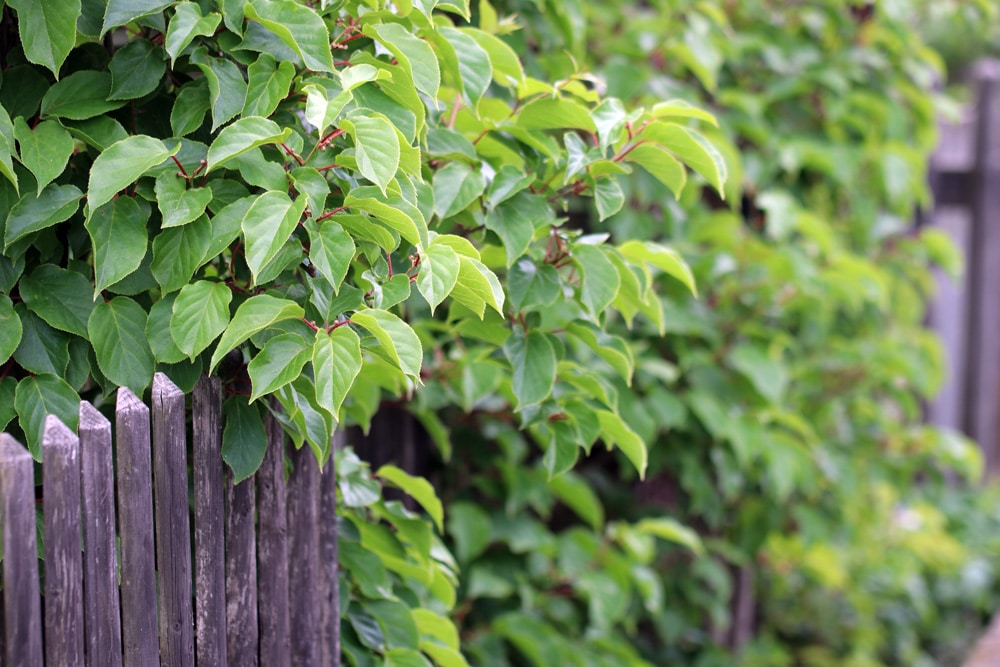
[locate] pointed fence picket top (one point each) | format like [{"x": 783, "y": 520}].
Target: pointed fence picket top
[{"x": 264, "y": 571}]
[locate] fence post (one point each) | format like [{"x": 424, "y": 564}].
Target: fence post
[
  {"x": 272, "y": 549},
  {"x": 983, "y": 348},
  {"x": 209, "y": 536},
  {"x": 303, "y": 556},
  {"x": 135, "y": 523},
  {"x": 241, "y": 573},
  {"x": 102, "y": 619},
  {"x": 328, "y": 557},
  {"x": 22, "y": 605},
  {"x": 173, "y": 544},
  {"x": 63, "y": 559}
]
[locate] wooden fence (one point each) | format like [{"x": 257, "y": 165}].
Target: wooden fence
[
  {"x": 965, "y": 178},
  {"x": 264, "y": 564}
]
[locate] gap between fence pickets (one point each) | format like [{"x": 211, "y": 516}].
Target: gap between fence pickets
[{"x": 82, "y": 611}]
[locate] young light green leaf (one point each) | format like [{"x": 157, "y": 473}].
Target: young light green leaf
[
  {"x": 616, "y": 432},
  {"x": 555, "y": 113},
  {"x": 255, "y": 314},
  {"x": 321, "y": 109},
  {"x": 244, "y": 440},
  {"x": 267, "y": 225},
  {"x": 417, "y": 488},
  {"x": 681, "y": 109},
  {"x": 298, "y": 26},
  {"x": 200, "y": 314},
  {"x": 533, "y": 363},
  {"x": 33, "y": 212},
  {"x": 61, "y": 297},
  {"x": 669, "y": 529},
  {"x": 376, "y": 148},
  {"x": 119, "y": 239},
  {"x": 336, "y": 360},
  {"x": 39, "y": 396},
  {"x": 47, "y": 30},
  {"x": 439, "y": 269},
  {"x": 666, "y": 259},
  {"x": 243, "y": 135},
  {"x": 331, "y": 250},
  {"x": 117, "y": 329},
  {"x": 278, "y": 363},
  {"x": 691, "y": 148},
  {"x": 10, "y": 330},
  {"x": 660, "y": 164},
  {"x": 609, "y": 197},
  {"x": 44, "y": 150},
  {"x": 507, "y": 69},
  {"x": 121, "y": 165},
  {"x": 399, "y": 343},
  {"x": 186, "y": 24},
  {"x": 477, "y": 287},
  {"x": 268, "y": 85}
]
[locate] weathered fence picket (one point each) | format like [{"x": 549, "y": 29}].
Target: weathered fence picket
[{"x": 252, "y": 542}]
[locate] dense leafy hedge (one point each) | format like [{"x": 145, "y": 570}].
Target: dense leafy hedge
[{"x": 483, "y": 216}]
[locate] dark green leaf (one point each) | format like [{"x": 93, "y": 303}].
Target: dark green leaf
[
  {"x": 268, "y": 85},
  {"x": 414, "y": 55},
  {"x": 178, "y": 252},
  {"x": 336, "y": 360},
  {"x": 136, "y": 70},
  {"x": 186, "y": 24},
  {"x": 161, "y": 343},
  {"x": 42, "y": 349},
  {"x": 179, "y": 204},
  {"x": 117, "y": 329},
  {"x": 267, "y": 225},
  {"x": 299, "y": 27},
  {"x": 532, "y": 286},
  {"x": 37, "y": 397},
  {"x": 600, "y": 279},
  {"x": 244, "y": 441},
  {"x": 331, "y": 250},
  {"x": 533, "y": 365},
  {"x": 120, "y": 12},
  {"x": 455, "y": 187},
  {"x": 8, "y": 386},
  {"x": 473, "y": 64},
  {"x": 190, "y": 106},
  {"x": 278, "y": 363},
  {"x": 44, "y": 150},
  {"x": 10, "y": 330},
  {"x": 80, "y": 95},
  {"x": 62, "y": 298},
  {"x": 34, "y": 212},
  {"x": 226, "y": 87},
  {"x": 121, "y": 165},
  {"x": 47, "y": 29},
  {"x": 243, "y": 135},
  {"x": 515, "y": 220},
  {"x": 119, "y": 239},
  {"x": 255, "y": 314},
  {"x": 200, "y": 314}
]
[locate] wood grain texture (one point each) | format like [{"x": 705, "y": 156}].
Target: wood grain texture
[
  {"x": 272, "y": 550},
  {"x": 63, "y": 558},
  {"x": 135, "y": 522},
  {"x": 241, "y": 573},
  {"x": 303, "y": 557},
  {"x": 22, "y": 604},
  {"x": 209, "y": 523},
  {"x": 173, "y": 544},
  {"x": 102, "y": 619},
  {"x": 329, "y": 611}
]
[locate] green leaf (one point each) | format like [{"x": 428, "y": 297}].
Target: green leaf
[
  {"x": 405, "y": 657},
  {"x": 255, "y": 314},
  {"x": 672, "y": 531},
  {"x": 616, "y": 432},
  {"x": 44, "y": 150},
  {"x": 563, "y": 447},
  {"x": 578, "y": 496},
  {"x": 515, "y": 220},
  {"x": 417, "y": 488},
  {"x": 443, "y": 656},
  {"x": 161, "y": 343},
  {"x": 681, "y": 109},
  {"x": 121, "y": 12},
  {"x": 439, "y": 269},
  {"x": 666, "y": 259},
  {"x": 38, "y": 397},
  {"x": 226, "y": 226},
  {"x": 394, "y": 212},
  {"x": 690, "y": 147},
  {"x": 600, "y": 279},
  {"x": 186, "y": 24},
  {"x": 268, "y": 85},
  {"x": 555, "y": 113},
  {"x": 121, "y": 165},
  {"x": 532, "y": 286},
  {"x": 266, "y": 226},
  {"x": 376, "y": 147},
  {"x": 456, "y": 185},
  {"x": 190, "y": 107},
  {"x": 508, "y": 181},
  {"x": 8, "y": 386},
  {"x": 178, "y": 252},
  {"x": 7, "y": 148},
  {"x": 47, "y": 30},
  {"x": 200, "y": 314},
  {"x": 279, "y": 362},
  {"x": 99, "y": 132},
  {"x": 661, "y": 165},
  {"x": 474, "y": 64},
  {"x": 10, "y": 330},
  {"x": 415, "y": 55},
  {"x": 179, "y": 204},
  {"x": 399, "y": 343},
  {"x": 227, "y": 91},
  {"x": 331, "y": 250},
  {"x": 55, "y": 204},
  {"x": 80, "y": 95},
  {"x": 242, "y": 136},
  {"x": 612, "y": 349},
  {"x": 117, "y": 329},
  {"x": 321, "y": 109},
  {"x": 469, "y": 527},
  {"x": 768, "y": 376},
  {"x": 244, "y": 440},
  {"x": 533, "y": 364},
  {"x": 507, "y": 69},
  {"x": 136, "y": 70},
  {"x": 119, "y": 239},
  {"x": 609, "y": 197},
  {"x": 298, "y": 26},
  {"x": 336, "y": 359},
  {"x": 42, "y": 349},
  {"x": 477, "y": 287},
  {"x": 61, "y": 297}
]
